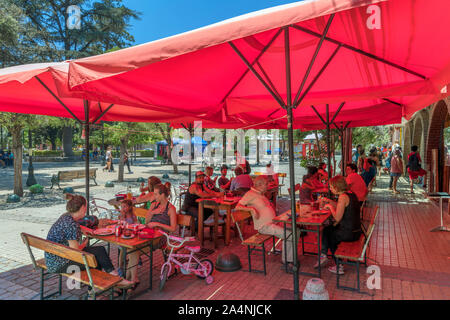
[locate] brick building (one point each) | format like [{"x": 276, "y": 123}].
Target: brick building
[{"x": 426, "y": 130}]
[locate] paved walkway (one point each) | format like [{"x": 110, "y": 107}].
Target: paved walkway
[{"x": 414, "y": 263}]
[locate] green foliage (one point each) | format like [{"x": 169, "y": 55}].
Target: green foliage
[
  {"x": 146, "y": 153},
  {"x": 313, "y": 157},
  {"x": 371, "y": 136},
  {"x": 37, "y": 188},
  {"x": 47, "y": 153},
  {"x": 137, "y": 133},
  {"x": 45, "y": 37}
]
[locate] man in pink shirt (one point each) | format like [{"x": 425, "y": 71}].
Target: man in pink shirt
[
  {"x": 263, "y": 213},
  {"x": 355, "y": 182}
]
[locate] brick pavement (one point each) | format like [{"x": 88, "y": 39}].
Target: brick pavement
[{"x": 414, "y": 263}]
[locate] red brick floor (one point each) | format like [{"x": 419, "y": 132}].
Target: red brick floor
[{"x": 414, "y": 263}]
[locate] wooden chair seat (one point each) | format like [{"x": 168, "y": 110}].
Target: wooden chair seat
[{"x": 102, "y": 280}]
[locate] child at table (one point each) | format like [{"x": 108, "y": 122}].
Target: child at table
[
  {"x": 127, "y": 215},
  {"x": 306, "y": 190},
  {"x": 126, "y": 212}
]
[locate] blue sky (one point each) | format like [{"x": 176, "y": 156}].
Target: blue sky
[{"x": 165, "y": 18}]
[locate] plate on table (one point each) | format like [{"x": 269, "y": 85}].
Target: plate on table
[
  {"x": 131, "y": 236},
  {"x": 139, "y": 226},
  {"x": 103, "y": 232}
]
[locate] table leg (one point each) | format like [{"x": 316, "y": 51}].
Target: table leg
[
  {"x": 200, "y": 223},
  {"x": 151, "y": 266},
  {"x": 318, "y": 250},
  {"x": 441, "y": 227},
  {"x": 124, "y": 261},
  {"x": 216, "y": 225},
  {"x": 227, "y": 226},
  {"x": 284, "y": 248}
]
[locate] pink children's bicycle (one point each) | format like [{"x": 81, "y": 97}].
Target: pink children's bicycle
[{"x": 201, "y": 268}]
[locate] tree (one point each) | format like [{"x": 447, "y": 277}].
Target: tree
[
  {"x": 45, "y": 37},
  {"x": 36, "y": 31},
  {"x": 125, "y": 135},
  {"x": 371, "y": 136},
  {"x": 167, "y": 131},
  {"x": 15, "y": 124}
]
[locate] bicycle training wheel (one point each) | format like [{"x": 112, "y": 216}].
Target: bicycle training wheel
[{"x": 206, "y": 263}]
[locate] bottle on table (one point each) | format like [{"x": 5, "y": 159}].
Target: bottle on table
[{"x": 129, "y": 193}]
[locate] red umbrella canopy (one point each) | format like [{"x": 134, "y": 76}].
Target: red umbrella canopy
[
  {"x": 42, "y": 89},
  {"x": 361, "y": 50}
]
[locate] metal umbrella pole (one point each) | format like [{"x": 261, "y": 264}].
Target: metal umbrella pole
[
  {"x": 86, "y": 136},
  {"x": 291, "y": 158}
]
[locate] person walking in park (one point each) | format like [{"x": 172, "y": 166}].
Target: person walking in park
[
  {"x": 126, "y": 161},
  {"x": 396, "y": 169},
  {"x": 109, "y": 158},
  {"x": 414, "y": 167}
]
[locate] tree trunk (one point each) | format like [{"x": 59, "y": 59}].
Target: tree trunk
[
  {"x": 17, "y": 151},
  {"x": 175, "y": 166},
  {"x": 167, "y": 134},
  {"x": 123, "y": 147},
  {"x": 318, "y": 145},
  {"x": 67, "y": 139}
]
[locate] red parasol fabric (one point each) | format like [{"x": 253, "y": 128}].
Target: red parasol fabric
[
  {"x": 36, "y": 88},
  {"x": 373, "y": 49}
]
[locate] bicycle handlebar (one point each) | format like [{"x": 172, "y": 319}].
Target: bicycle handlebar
[{"x": 178, "y": 239}]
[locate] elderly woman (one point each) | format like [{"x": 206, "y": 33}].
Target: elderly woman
[
  {"x": 346, "y": 224},
  {"x": 67, "y": 231}
]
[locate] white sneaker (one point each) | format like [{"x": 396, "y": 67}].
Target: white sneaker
[
  {"x": 323, "y": 260},
  {"x": 333, "y": 269},
  {"x": 114, "y": 273}
]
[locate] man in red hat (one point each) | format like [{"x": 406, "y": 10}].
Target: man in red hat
[{"x": 196, "y": 191}]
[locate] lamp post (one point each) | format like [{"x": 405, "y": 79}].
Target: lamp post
[
  {"x": 103, "y": 145},
  {"x": 31, "y": 180}
]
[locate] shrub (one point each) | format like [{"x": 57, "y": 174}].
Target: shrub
[
  {"x": 146, "y": 153},
  {"x": 36, "y": 188},
  {"x": 47, "y": 153}
]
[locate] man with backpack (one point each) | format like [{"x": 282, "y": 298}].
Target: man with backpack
[{"x": 415, "y": 168}]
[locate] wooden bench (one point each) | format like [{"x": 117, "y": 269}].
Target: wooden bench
[
  {"x": 99, "y": 281},
  {"x": 256, "y": 242},
  {"x": 353, "y": 253},
  {"x": 73, "y": 174}
]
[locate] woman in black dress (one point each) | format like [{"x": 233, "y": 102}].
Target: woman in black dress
[{"x": 345, "y": 221}]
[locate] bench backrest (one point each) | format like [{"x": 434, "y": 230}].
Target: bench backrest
[
  {"x": 76, "y": 174},
  {"x": 59, "y": 250},
  {"x": 184, "y": 220},
  {"x": 140, "y": 212},
  {"x": 370, "y": 229}
]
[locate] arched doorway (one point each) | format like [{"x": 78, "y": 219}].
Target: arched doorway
[{"x": 439, "y": 117}]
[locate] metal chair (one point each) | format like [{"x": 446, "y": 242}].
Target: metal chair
[{"x": 101, "y": 211}]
